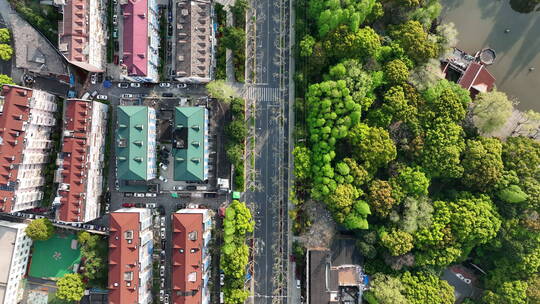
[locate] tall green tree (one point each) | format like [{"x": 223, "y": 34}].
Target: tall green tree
[
  {"x": 414, "y": 40},
  {"x": 40, "y": 229},
  {"x": 5, "y": 52},
  {"x": 422, "y": 288},
  {"x": 5, "y": 36},
  {"x": 397, "y": 242},
  {"x": 5, "y": 79},
  {"x": 482, "y": 163},
  {"x": 70, "y": 287},
  {"x": 372, "y": 145},
  {"x": 491, "y": 110},
  {"x": 442, "y": 150},
  {"x": 387, "y": 289}
]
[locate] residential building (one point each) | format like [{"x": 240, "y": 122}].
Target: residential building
[
  {"x": 130, "y": 256},
  {"x": 194, "y": 40},
  {"x": 26, "y": 122},
  {"x": 81, "y": 34},
  {"x": 190, "y": 256},
  {"x": 470, "y": 72},
  {"x": 190, "y": 144},
  {"x": 80, "y": 175},
  {"x": 14, "y": 251},
  {"x": 140, "y": 40},
  {"x": 136, "y": 143},
  {"x": 334, "y": 275}
]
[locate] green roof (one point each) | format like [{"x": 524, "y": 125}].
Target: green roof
[
  {"x": 132, "y": 142},
  {"x": 189, "y": 125}
]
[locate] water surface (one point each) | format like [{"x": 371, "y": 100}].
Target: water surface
[{"x": 482, "y": 23}]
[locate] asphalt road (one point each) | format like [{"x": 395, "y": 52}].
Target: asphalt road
[{"x": 271, "y": 161}]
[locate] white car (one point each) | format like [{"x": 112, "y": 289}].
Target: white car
[
  {"x": 182, "y": 85},
  {"x": 163, "y": 179},
  {"x": 93, "y": 79},
  {"x": 151, "y": 194},
  {"x": 123, "y": 85},
  {"x": 163, "y": 166},
  {"x": 164, "y": 85},
  {"x": 166, "y": 300},
  {"x": 162, "y": 221},
  {"x": 221, "y": 279},
  {"x": 102, "y": 97},
  {"x": 135, "y": 85},
  {"x": 161, "y": 273},
  {"x": 138, "y": 194},
  {"x": 151, "y": 205},
  {"x": 162, "y": 233},
  {"x": 127, "y": 95}
]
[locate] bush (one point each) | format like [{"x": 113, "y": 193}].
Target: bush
[
  {"x": 70, "y": 287},
  {"x": 5, "y": 52},
  {"x": 5, "y": 36}
]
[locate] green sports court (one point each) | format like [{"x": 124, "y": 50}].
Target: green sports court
[{"x": 55, "y": 257}]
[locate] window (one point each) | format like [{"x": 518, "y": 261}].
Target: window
[
  {"x": 193, "y": 250},
  {"x": 181, "y": 250},
  {"x": 128, "y": 235},
  {"x": 192, "y": 277},
  {"x": 128, "y": 275},
  {"x": 193, "y": 235}
]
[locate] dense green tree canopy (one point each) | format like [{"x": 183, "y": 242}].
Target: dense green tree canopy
[
  {"x": 414, "y": 40},
  {"x": 40, "y": 229},
  {"x": 70, "y": 287},
  {"x": 423, "y": 288},
  {"x": 491, "y": 111},
  {"x": 482, "y": 164}
]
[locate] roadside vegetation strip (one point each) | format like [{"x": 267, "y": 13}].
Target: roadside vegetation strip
[
  {"x": 238, "y": 225},
  {"x": 221, "y": 60}
]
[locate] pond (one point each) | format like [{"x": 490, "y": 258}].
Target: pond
[{"x": 512, "y": 29}]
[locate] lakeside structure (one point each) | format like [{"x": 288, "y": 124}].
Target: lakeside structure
[
  {"x": 140, "y": 56},
  {"x": 15, "y": 251},
  {"x": 135, "y": 146},
  {"x": 191, "y": 229},
  {"x": 26, "y": 122},
  {"x": 80, "y": 175},
  {"x": 194, "y": 41},
  {"x": 81, "y": 34},
  {"x": 130, "y": 256},
  {"x": 470, "y": 72},
  {"x": 190, "y": 144}
]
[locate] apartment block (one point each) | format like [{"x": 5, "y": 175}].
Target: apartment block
[
  {"x": 135, "y": 144},
  {"x": 80, "y": 175},
  {"x": 140, "y": 55},
  {"x": 130, "y": 256},
  {"x": 190, "y": 256},
  {"x": 190, "y": 144},
  {"x": 81, "y": 34},
  {"x": 26, "y": 121},
  {"x": 14, "y": 251},
  {"x": 194, "y": 41}
]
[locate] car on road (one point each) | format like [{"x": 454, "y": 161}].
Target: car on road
[
  {"x": 162, "y": 221},
  {"x": 143, "y": 95},
  {"x": 166, "y": 300},
  {"x": 161, "y": 295},
  {"x": 181, "y": 85},
  {"x": 167, "y": 95},
  {"x": 127, "y": 95},
  {"x": 123, "y": 85},
  {"x": 163, "y": 166},
  {"x": 102, "y": 97},
  {"x": 116, "y": 46},
  {"x": 139, "y": 195},
  {"x": 115, "y": 19},
  {"x": 135, "y": 85},
  {"x": 151, "y": 194},
  {"x": 210, "y": 195},
  {"x": 180, "y": 206},
  {"x": 221, "y": 279},
  {"x": 128, "y": 205},
  {"x": 162, "y": 232},
  {"x": 94, "y": 94},
  {"x": 297, "y": 283},
  {"x": 93, "y": 79},
  {"x": 107, "y": 207},
  {"x": 161, "y": 273},
  {"x": 164, "y": 85},
  {"x": 150, "y": 205},
  {"x": 191, "y": 187},
  {"x": 178, "y": 187},
  {"x": 116, "y": 185},
  {"x": 163, "y": 179},
  {"x": 128, "y": 194}
]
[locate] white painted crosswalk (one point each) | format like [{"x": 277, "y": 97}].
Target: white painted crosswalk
[{"x": 261, "y": 93}]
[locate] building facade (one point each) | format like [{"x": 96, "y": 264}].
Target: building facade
[
  {"x": 26, "y": 122},
  {"x": 81, "y": 34},
  {"x": 190, "y": 256},
  {"x": 135, "y": 144},
  {"x": 15, "y": 251},
  {"x": 130, "y": 256},
  {"x": 190, "y": 144},
  {"x": 80, "y": 175},
  {"x": 140, "y": 58},
  {"x": 194, "y": 41}
]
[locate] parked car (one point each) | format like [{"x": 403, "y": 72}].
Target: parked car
[
  {"x": 221, "y": 279},
  {"x": 115, "y": 19},
  {"x": 107, "y": 207},
  {"x": 163, "y": 166},
  {"x": 139, "y": 195},
  {"x": 166, "y": 300},
  {"x": 191, "y": 187},
  {"x": 150, "y": 205},
  {"x": 127, "y": 95},
  {"x": 167, "y": 95},
  {"x": 178, "y": 187},
  {"x": 162, "y": 233},
  {"x": 182, "y": 85},
  {"x": 102, "y": 97},
  {"x": 123, "y": 85},
  {"x": 128, "y": 205},
  {"x": 161, "y": 273},
  {"x": 180, "y": 206},
  {"x": 163, "y": 179},
  {"x": 116, "y": 46},
  {"x": 116, "y": 185},
  {"x": 297, "y": 283},
  {"x": 128, "y": 194},
  {"x": 164, "y": 85},
  {"x": 151, "y": 194},
  {"x": 135, "y": 85},
  {"x": 93, "y": 79},
  {"x": 162, "y": 221},
  {"x": 210, "y": 195}
]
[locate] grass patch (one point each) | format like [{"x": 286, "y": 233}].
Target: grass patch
[{"x": 54, "y": 257}]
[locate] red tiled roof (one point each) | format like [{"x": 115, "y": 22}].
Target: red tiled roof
[
  {"x": 123, "y": 257},
  {"x": 74, "y": 169},
  {"x": 136, "y": 37},
  {"x": 187, "y": 266},
  {"x": 74, "y": 30},
  {"x": 476, "y": 74},
  {"x": 15, "y": 111}
]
